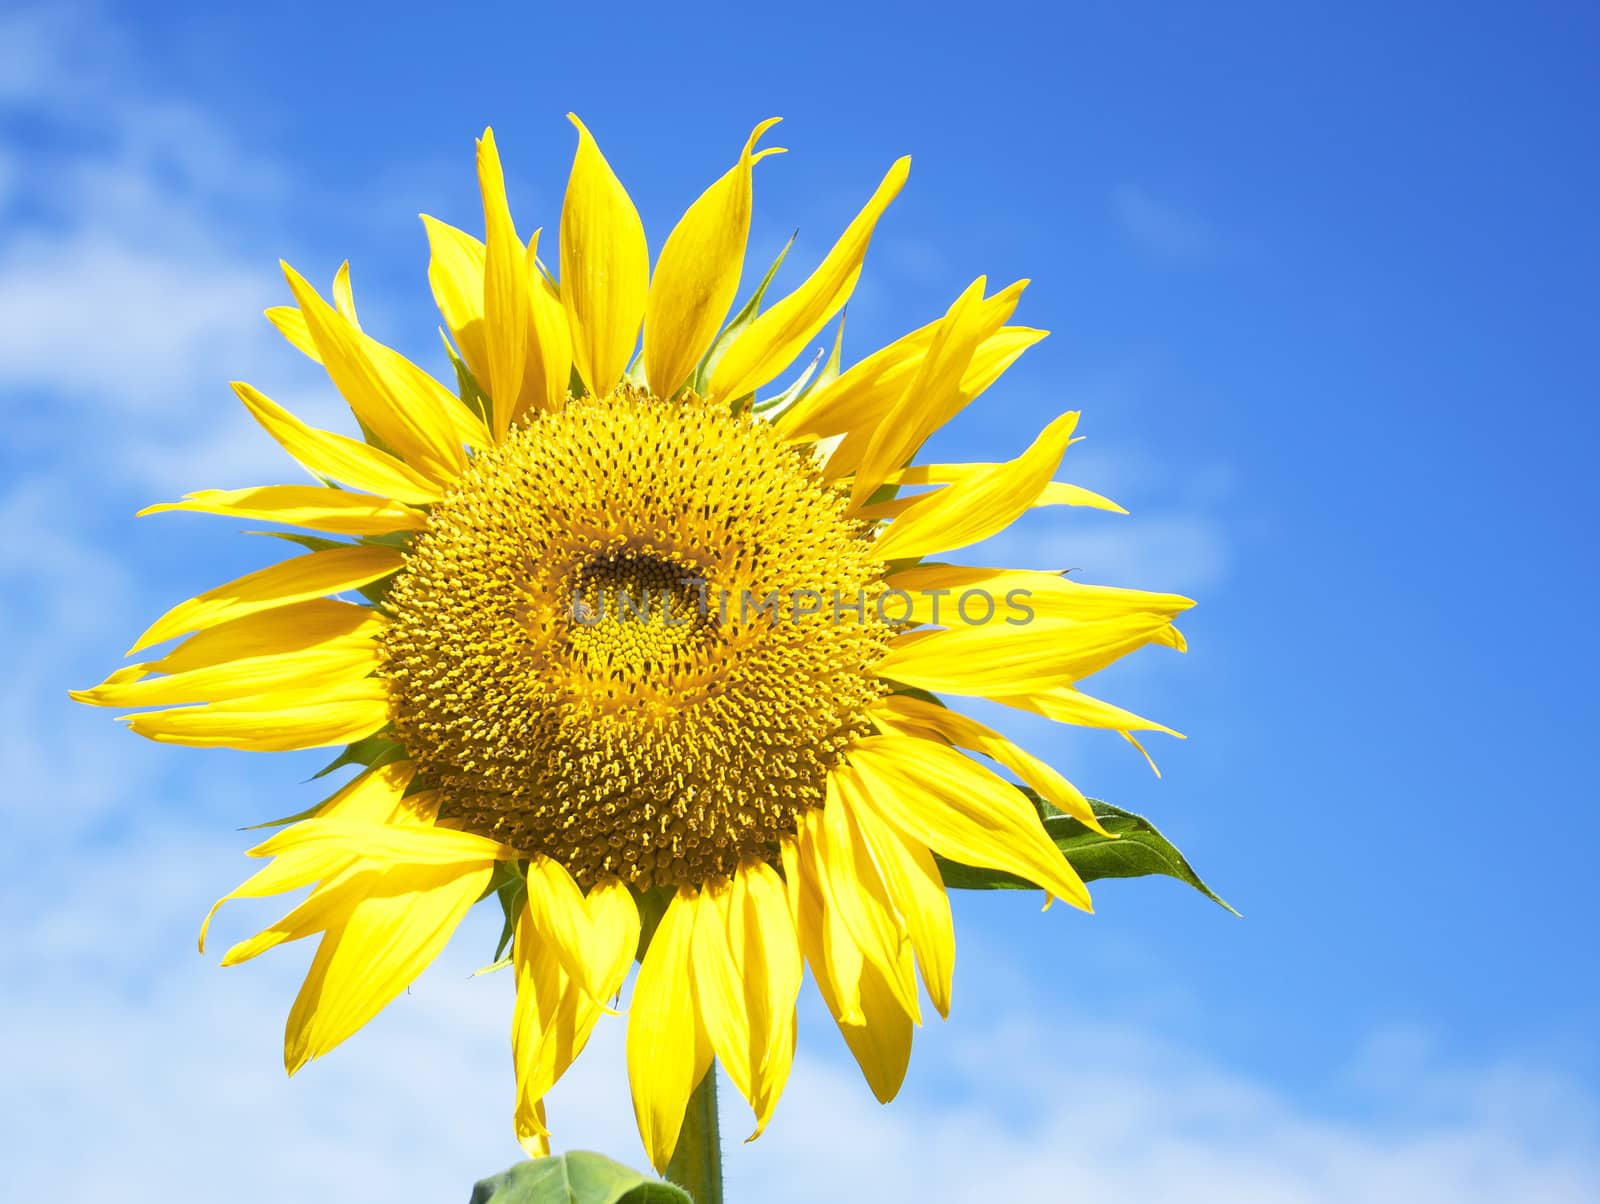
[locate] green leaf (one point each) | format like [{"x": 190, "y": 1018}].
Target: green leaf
[
  {"x": 1134, "y": 850},
  {"x": 576, "y": 1178}
]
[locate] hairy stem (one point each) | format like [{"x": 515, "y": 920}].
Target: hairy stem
[{"x": 696, "y": 1164}]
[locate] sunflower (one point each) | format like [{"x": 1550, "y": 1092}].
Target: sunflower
[{"x": 645, "y": 651}]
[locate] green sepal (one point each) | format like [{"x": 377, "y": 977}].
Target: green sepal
[
  {"x": 467, "y": 386},
  {"x": 652, "y": 905},
  {"x": 724, "y": 340},
  {"x": 354, "y": 754},
  {"x": 1135, "y": 849},
  {"x": 510, "y": 886},
  {"x": 808, "y": 382},
  {"x": 779, "y": 402},
  {"x": 313, "y": 543},
  {"x": 370, "y": 751},
  {"x": 917, "y": 692},
  {"x": 579, "y": 1177}
]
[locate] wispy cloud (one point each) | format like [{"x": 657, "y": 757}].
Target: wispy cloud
[
  {"x": 1163, "y": 229},
  {"x": 1179, "y": 551},
  {"x": 418, "y": 1104},
  {"x": 132, "y": 275}
]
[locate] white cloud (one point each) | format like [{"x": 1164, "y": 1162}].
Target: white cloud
[
  {"x": 142, "y": 1072},
  {"x": 1178, "y": 551},
  {"x": 91, "y": 315},
  {"x": 1165, "y": 231},
  {"x": 131, "y": 289},
  {"x": 150, "y": 1074}
]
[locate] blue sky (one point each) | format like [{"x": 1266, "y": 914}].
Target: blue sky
[{"x": 1321, "y": 281}]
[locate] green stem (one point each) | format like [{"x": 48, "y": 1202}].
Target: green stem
[{"x": 696, "y": 1164}]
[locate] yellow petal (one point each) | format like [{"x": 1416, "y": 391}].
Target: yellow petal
[
  {"x": 549, "y": 371},
  {"x": 860, "y": 397},
  {"x": 543, "y": 990},
  {"x": 773, "y": 340},
  {"x": 532, "y": 1135},
  {"x": 605, "y": 267},
  {"x": 376, "y": 796},
  {"x": 857, "y": 994},
  {"x": 410, "y": 383},
  {"x": 292, "y": 628},
  {"x": 546, "y": 1019},
  {"x": 613, "y": 935},
  {"x": 329, "y": 571},
  {"x": 303, "y": 627},
  {"x": 980, "y": 504},
  {"x": 561, "y": 917},
  {"x": 1000, "y": 350},
  {"x": 766, "y": 956},
  {"x": 789, "y": 856},
  {"x": 338, "y": 457},
  {"x": 1064, "y": 493},
  {"x": 1054, "y": 493},
  {"x": 280, "y": 875},
  {"x": 668, "y": 1053},
  {"x": 455, "y": 272},
  {"x": 319, "y": 717},
  {"x": 350, "y": 847},
  {"x": 345, "y": 882},
  {"x": 406, "y": 409},
  {"x": 385, "y": 843},
  {"x": 316, "y": 506},
  {"x": 917, "y": 892},
  {"x": 718, "y": 994},
  {"x": 697, "y": 274},
  {"x": 934, "y": 794},
  {"x": 416, "y": 388},
  {"x": 829, "y": 949},
  {"x": 1000, "y": 660},
  {"x": 1151, "y": 761},
  {"x": 387, "y": 940},
  {"x": 1039, "y": 596},
  {"x": 327, "y": 665},
  {"x": 993, "y": 356},
  {"x": 343, "y": 299},
  {"x": 506, "y": 297},
  {"x": 1064, "y": 704},
  {"x": 552, "y": 1023},
  {"x": 863, "y": 397},
  {"x": 937, "y": 392},
  {"x": 881, "y": 1042},
  {"x": 291, "y": 324},
  {"x": 855, "y": 892},
  {"x": 932, "y": 394},
  {"x": 905, "y": 715}
]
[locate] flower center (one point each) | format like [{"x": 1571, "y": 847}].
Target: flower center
[
  {"x": 634, "y": 637},
  {"x": 638, "y": 614}
]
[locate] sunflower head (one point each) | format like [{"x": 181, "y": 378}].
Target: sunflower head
[
  {"x": 632, "y": 627},
  {"x": 594, "y": 651}
]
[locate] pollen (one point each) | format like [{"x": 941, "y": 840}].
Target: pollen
[{"x": 634, "y": 638}]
